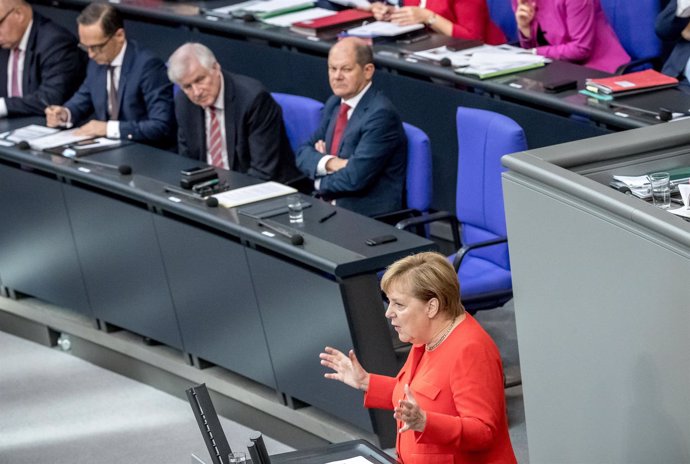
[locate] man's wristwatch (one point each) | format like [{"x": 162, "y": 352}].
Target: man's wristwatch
[{"x": 431, "y": 20}]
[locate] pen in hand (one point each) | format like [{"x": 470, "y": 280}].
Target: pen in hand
[{"x": 328, "y": 216}]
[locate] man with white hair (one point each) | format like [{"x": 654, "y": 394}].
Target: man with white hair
[{"x": 228, "y": 120}]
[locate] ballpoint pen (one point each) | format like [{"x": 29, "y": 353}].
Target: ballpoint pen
[{"x": 328, "y": 216}]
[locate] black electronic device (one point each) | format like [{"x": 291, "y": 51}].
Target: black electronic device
[
  {"x": 381, "y": 240},
  {"x": 209, "y": 424},
  {"x": 197, "y": 175},
  {"x": 560, "y": 86}
]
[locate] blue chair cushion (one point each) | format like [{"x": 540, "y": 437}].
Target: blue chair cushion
[
  {"x": 301, "y": 117},
  {"x": 479, "y": 276},
  {"x": 419, "y": 187}
]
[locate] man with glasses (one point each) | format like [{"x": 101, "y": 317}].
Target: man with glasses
[
  {"x": 228, "y": 120},
  {"x": 39, "y": 61},
  {"x": 126, "y": 94}
]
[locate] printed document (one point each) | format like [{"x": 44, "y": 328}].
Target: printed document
[{"x": 252, "y": 193}]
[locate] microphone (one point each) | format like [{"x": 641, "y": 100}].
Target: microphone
[
  {"x": 445, "y": 62},
  {"x": 123, "y": 169},
  {"x": 23, "y": 145},
  {"x": 295, "y": 239},
  {"x": 211, "y": 202},
  {"x": 260, "y": 448}
]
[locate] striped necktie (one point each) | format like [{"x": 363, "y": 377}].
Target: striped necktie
[
  {"x": 16, "y": 92},
  {"x": 215, "y": 139}
]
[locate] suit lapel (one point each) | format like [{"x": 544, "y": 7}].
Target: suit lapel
[
  {"x": 100, "y": 94},
  {"x": 198, "y": 118},
  {"x": 331, "y": 125},
  {"x": 230, "y": 122},
  {"x": 4, "y": 64},
  {"x": 127, "y": 64},
  {"x": 29, "y": 57}
]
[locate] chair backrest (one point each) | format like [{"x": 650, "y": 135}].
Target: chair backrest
[
  {"x": 419, "y": 181},
  {"x": 301, "y": 116},
  {"x": 633, "y": 22},
  {"x": 483, "y": 138},
  {"x": 501, "y": 12}
]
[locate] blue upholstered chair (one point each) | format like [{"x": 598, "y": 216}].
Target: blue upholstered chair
[
  {"x": 301, "y": 116},
  {"x": 482, "y": 258},
  {"x": 418, "y": 179},
  {"x": 501, "y": 12},
  {"x": 633, "y": 22}
]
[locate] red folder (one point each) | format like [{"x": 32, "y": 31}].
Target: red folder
[
  {"x": 338, "y": 22},
  {"x": 631, "y": 83}
]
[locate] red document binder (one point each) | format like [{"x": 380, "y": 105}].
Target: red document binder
[
  {"x": 337, "y": 22},
  {"x": 631, "y": 83}
]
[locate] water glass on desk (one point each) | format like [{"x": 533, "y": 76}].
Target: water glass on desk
[
  {"x": 661, "y": 189},
  {"x": 238, "y": 457},
  {"x": 295, "y": 209}
]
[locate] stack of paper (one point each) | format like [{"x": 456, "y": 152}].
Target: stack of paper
[
  {"x": 258, "y": 192},
  {"x": 269, "y": 8},
  {"x": 382, "y": 29},
  {"x": 486, "y": 60}
]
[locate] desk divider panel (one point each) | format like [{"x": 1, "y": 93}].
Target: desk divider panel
[
  {"x": 37, "y": 252},
  {"x": 122, "y": 263},
  {"x": 214, "y": 299}
]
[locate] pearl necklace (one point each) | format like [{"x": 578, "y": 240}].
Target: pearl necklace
[{"x": 446, "y": 332}]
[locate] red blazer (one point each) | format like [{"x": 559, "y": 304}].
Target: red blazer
[
  {"x": 460, "y": 387},
  {"x": 470, "y": 19}
]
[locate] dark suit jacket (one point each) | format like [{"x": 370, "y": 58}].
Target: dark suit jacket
[
  {"x": 145, "y": 93},
  {"x": 53, "y": 69},
  {"x": 374, "y": 144},
  {"x": 668, "y": 28},
  {"x": 256, "y": 139}
]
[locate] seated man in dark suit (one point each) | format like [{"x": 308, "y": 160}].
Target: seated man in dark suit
[
  {"x": 357, "y": 157},
  {"x": 40, "y": 61},
  {"x": 228, "y": 120},
  {"x": 675, "y": 30},
  {"x": 126, "y": 93}
]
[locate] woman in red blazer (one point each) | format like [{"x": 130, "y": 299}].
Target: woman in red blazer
[
  {"x": 448, "y": 398},
  {"x": 464, "y": 19}
]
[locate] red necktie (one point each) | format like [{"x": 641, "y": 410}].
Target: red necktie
[
  {"x": 15, "y": 74},
  {"x": 340, "y": 124},
  {"x": 215, "y": 138}
]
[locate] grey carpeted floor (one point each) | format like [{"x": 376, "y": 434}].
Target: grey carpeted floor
[{"x": 56, "y": 408}]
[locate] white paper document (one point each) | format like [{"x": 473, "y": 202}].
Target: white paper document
[
  {"x": 287, "y": 20},
  {"x": 57, "y": 139},
  {"x": 683, "y": 211},
  {"x": 30, "y": 132},
  {"x": 361, "y": 4},
  {"x": 252, "y": 193},
  {"x": 355, "y": 460},
  {"x": 382, "y": 29},
  {"x": 227, "y": 10}
]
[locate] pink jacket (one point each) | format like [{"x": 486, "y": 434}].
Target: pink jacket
[{"x": 577, "y": 31}]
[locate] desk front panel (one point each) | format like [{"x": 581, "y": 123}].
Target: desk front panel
[{"x": 37, "y": 252}]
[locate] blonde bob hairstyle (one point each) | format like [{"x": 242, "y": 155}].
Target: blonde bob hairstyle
[{"x": 425, "y": 276}]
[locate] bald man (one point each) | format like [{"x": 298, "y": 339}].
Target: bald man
[
  {"x": 357, "y": 157},
  {"x": 40, "y": 63}
]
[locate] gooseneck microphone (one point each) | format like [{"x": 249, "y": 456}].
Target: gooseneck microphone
[
  {"x": 123, "y": 169},
  {"x": 295, "y": 239}
]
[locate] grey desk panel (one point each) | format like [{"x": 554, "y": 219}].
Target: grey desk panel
[
  {"x": 302, "y": 313},
  {"x": 214, "y": 299},
  {"x": 601, "y": 299},
  {"x": 122, "y": 264},
  {"x": 37, "y": 252}
]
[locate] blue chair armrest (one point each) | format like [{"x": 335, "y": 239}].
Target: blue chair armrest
[
  {"x": 654, "y": 62},
  {"x": 407, "y": 224},
  {"x": 462, "y": 252}
]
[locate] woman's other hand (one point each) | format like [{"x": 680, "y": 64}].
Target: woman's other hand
[
  {"x": 411, "y": 15},
  {"x": 524, "y": 15},
  {"x": 347, "y": 368},
  {"x": 409, "y": 412},
  {"x": 382, "y": 11}
]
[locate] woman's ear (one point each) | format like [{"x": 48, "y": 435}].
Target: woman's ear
[{"x": 432, "y": 308}]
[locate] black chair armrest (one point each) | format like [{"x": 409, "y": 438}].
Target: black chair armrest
[
  {"x": 460, "y": 255},
  {"x": 407, "y": 224}
]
